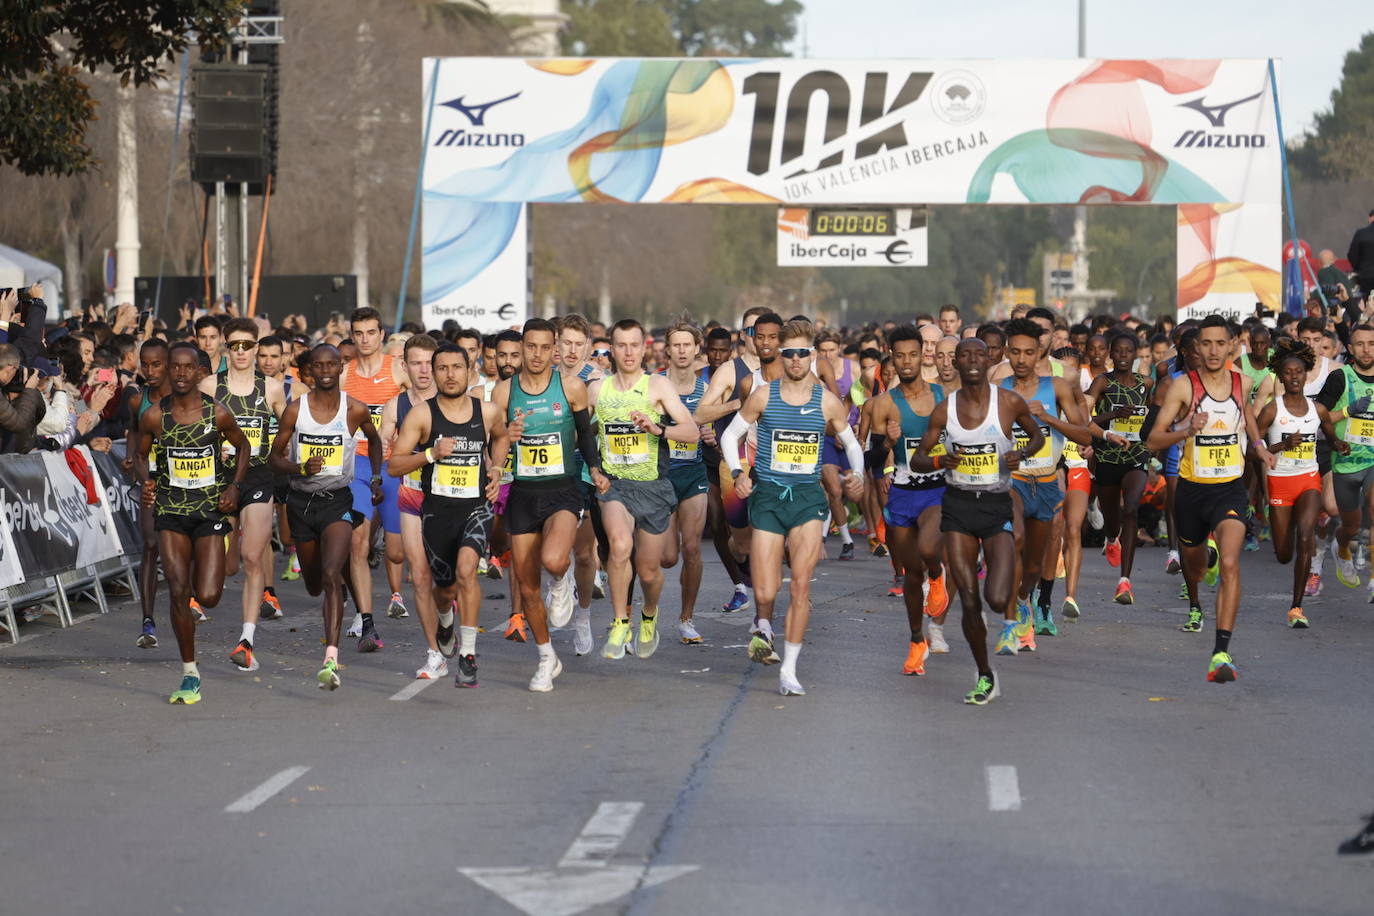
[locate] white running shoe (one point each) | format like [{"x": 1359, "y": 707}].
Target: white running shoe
[
  {"x": 789, "y": 686},
  {"x": 560, "y": 600},
  {"x": 689, "y": 635},
  {"x": 355, "y": 629},
  {"x": 435, "y": 667},
  {"x": 582, "y": 632},
  {"x": 935, "y": 635},
  {"x": 599, "y": 584},
  {"x": 1095, "y": 515},
  {"x": 1172, "y": 565},
  {"x": 549, "y": 668}
]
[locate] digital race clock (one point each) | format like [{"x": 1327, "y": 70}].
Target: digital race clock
[{"x": 849, "y": 222}]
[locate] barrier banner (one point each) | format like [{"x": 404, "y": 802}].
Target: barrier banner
[
  {"x": 53, "y": 527},
  {"x": 121, "y": 496}
]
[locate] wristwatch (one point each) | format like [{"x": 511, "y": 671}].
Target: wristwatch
[{"x": 735, "y": 473}]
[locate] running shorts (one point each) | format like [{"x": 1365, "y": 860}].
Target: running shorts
[
  {"x": 502, "y": 500},
  {"x": 736, "y": 509},
  {"x": 531, "y": 503},
  {"x": 309, "y": 514},
  {"x": 1112, "y": 475},
  {"x": 649, "y": 502},
  {"x": 1200, "y": 507},
  {"x": 688, "y": 480},
  {"x": 779, "y": 509},
  {"x": 258, "y": 487},
  {"x": 975, "y": 513},
  {"x": 1041, "y": 500},
  {"x": 1284, "y": 491},
  {"x": 193, "y": 526},
  {"x": 905, "y": 504},
  {"x": 411, "y": 501},
  {"x": 1171, "y": 459},
  {"x": 1349, "y": 488},
  {"x": 831, "y": 453},
  {"x": 1080, "y": 480},
  {"x": 390, "y": 507},
  {"x": 448, "y": 529}
]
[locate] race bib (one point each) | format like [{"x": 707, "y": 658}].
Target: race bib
[
  {"x": 1217, "y": 455},
  {"x": 152, "y": 460},
  {"x": 683, "y": 451},
  {"x": 541, "y": 456},
  {"x": 329, "y": 448},
  {"x": 1072, "y": 457},
  {"x": 191, "y": 468},
  {"x": 977, "y": 467},
  {"x": 252, "y": 428},
  {"x": 413, "y": 480},
  {"x": 508, "y": 469},
  {"x": 1129, "y": 428},
  {"x": 796, "y": 453},
  {"x": 457, "y": 477},
  {"x": 939, "y": 447},
  {"x": 1301, "y": 459},
  {"x": 1360, "y": 429},
  {"x": 1042, "y": 462},
  {"x": 626, "y": 444}
]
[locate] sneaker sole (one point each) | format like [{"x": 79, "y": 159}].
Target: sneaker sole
[
  {"x": 797, "y": 691},
  {"x": 145, "y": 642},
  {"x": 762, "y": 652},
  {"x": 1125, "y": 599},
  {"x": 395, "y": 616},
  {"x": 241, "y": 668},
  {"x": 557, "y": 670},
  {"x": 369, "y": 644},
  {"x": 185, "y": 701},
  {"x": 328, "y": 682},
  {"x": 1222, "y": 676},
  {"x": 615, "y": 653},
  {"x": 646, "y": 649}
]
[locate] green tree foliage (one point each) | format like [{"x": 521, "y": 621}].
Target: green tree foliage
[
  {"x": 619, "y": 28},
  {"x": 45, "y": 105},
  {"x": 1134, "y": 250},
  {"x": 734, "y": 28},
  {"x": 1340, "y": 146}
]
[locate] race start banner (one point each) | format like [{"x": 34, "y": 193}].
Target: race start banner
[{"x": 1198, "y": 135}]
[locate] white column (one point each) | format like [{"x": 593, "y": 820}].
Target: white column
[{"x": 126, "y": 199}]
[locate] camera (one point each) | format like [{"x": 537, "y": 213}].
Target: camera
[{"x": 1329, "y": 291}]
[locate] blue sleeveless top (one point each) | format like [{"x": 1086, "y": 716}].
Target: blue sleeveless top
[
  {"x": 1043, "y": 462},
  {"x": 790, "y": 438},
  {"x": 913, "y": 430}
]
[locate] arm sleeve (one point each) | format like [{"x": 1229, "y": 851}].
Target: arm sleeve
[
  {"x": 1332, "y": 389},
  {"x": 852, "y": 450},
  {"x": 586, "y": 439},
  {"x": 729, "y": 443}
]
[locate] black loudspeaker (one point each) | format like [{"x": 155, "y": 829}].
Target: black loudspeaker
[
  {"x": 229, "y": 139},
  {"x": 315, "y": 296}
]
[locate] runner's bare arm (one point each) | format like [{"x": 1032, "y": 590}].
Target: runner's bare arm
[
  {"x": 1014, "y": 406},
  {"x": 276, "y": 397},
  {"x": 713, "y": 404},
  {"x": 278, "y": 459},
  {"x": 1257, "y": 444},
  {"x": 921, "y": 462},
  {"x": 739, "y": 427},
  {"x": 1265, "y": 418},
  {"x": 1175, "y": 407},
  {"x": 1340, "y": 446},
  {"x": 360, "y": 418},
  {"x": 683, "y": 429},
  {"x": 412, "y": 431}
]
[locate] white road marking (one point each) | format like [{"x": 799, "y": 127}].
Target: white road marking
[
  {"x": 265, "y": 791},
  {"x": 414, "y": 687},
  {"x": 602, "y": 836},
  {"x": 1004, "y": 789}
]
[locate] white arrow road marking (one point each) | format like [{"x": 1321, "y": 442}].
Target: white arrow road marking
[
  {"x": 583, "y": 878},
  {"x": 1004, "y": 789},
  {"x": 265, "y": 791}
]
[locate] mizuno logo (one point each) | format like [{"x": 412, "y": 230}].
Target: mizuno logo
[
  {"x": 1216, "y": 114},
  {"x": 476, "y": 114}
]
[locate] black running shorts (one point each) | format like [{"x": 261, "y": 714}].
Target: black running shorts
[{"x": 1200, "y": 507}]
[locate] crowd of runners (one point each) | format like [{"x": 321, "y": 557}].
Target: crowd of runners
[{"x": 581, "y": 462}]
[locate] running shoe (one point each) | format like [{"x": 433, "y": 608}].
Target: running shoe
[
  {"x": 935, "y": 638},
  {"x": 1095, "y": 518},
  {"x": 1213, "y": 564},
  {"x": 897, "y": 590},
  {"x": 761, "y": 646},
  {"x": 937, "y": 596},
  {"x": 188, "y": 693},
  {"x": 369, "y": 641},
  {"x": 789, "y": 686},
  {"x": 738, "y": 601},
  {"x": 329, "y": 675},
  {"x": 1112, "y": 551},
  {"x": 271, "y": 607},
  {"x": 292, "y": 572},
  {"x": 1183, "y": 590},
  {"x": 1026, "y": 643},
  {"x": 916, "y": 659},
  {"x": 599, "y": 584},
  {"x": 447, "y": 639},
  {"x": 1006, "y": 643},
  {"x": 493, "y": 568},
  {"x": 397, "y": 608},
  {"x": 1044, "y": 622},
  {"x": 1124, "y": 595},
  {"x": 1265, "y": 534},
  {"x": 1222, "y": 669},
  {"x": 355, "y": 629},
  {"x": 647, "y": 644},
  {"x": 1296, "y": 619},
  {"x": 687, "y": 632},
  {"x": 1070, "y": 609},
  {"x": 618, "y": 639},
  {"x": 1025, "y": 620},
  {"x": 1251, "y": 542},
  {"x": 876, "y": 547},
  {"x": 482, "y": 568},
  {"x": 434, "y": 668},
  {"x": 582, "y": 633},
  {"x": 1314, "y": 585},
  {"x": 1345, "y": 568},
  {"x": 242, "y": 656},
  {"x": 984, "y": 692},
  {"x": 467, "y": 672},
  {"x": 549, "y": 668},
  {"x": 199, "y": 612},
  {"x": 1195, "y": 620},
  {"x": 515, "y": 628},
  {"x": 148, "y": 638},
  {"x": 1172, "y": 565},
  {"x": 847, "y": 551},
  {"x": 560, "y": 600}
]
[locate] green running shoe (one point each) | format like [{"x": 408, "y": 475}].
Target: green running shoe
[
  {"x": 329, "y": 675},
  {"x": 984, "y": 692},
  {"x": 188, "y": 693},
  {"x": 1194, "y": 624},
  {"x": 1213, "y": 564},
  {"x": 1183, "y": 590},
  {"x": 1007, "y": 643},
  {"x": 647, "y": 643},
  {"x": 617, "y": 640},
  {"x": 1222, "y": 669},
  {"x": 1044, "y": 622},
  {"x": 1345, "y": 568}
]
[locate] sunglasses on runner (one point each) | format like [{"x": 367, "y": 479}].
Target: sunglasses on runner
[
  {"x": 795, "y": 352},
  {"x": 601, "y": 353},
  {"x": 748, "y": 332},
  {"x": 240, "y": 346}
]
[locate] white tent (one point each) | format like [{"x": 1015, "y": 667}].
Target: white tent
[{"x": 20, "y": 269}]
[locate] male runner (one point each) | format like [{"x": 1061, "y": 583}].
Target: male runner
[
  {"x": 188, "y": 430},
  {"x": 464, "y": 445},
  {"x": 787, "y": 508},
  {"x": 843, "y": 372},
  {"x": 546, "y": 418},
  {"x": 254, "y": 400},
  {"x": 316, "y": 445},
  {"x": 718, "y": 348},
  {"x": 976, "y": 512},
  {"x": 152, "y": 360},
  {"x": 632, "y": 410},
  {"x": 272, "y": 363},
  {"x": 687, "y": 473},
  {"x": 579, "y": 583},
  {"x": 1211, "y": 498},
  {"x": 373, "y": 378},
  {"x": 1348, "y": 394}
]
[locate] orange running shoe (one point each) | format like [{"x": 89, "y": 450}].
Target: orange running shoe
[
  {"x": 515, "y": 628},
  {"x": 271, "y": 607},
  {"x": 937, "y": 599},
  {"x": 1124, "y": 595},
  {"x": 201, "y": 616},
  {"x": 916, "y": 659},
  {"x": 1112, "y": 551},
  {"x": 242, "y": 656},
  {"x": 896, "y": 591}
]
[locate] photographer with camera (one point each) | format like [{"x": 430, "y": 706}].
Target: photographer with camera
[
  {"x": 1361, "y": 256},
  {"x": 22, "y": 405}
]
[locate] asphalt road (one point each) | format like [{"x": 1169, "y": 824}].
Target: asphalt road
[{"x": 1108, "y": 778}]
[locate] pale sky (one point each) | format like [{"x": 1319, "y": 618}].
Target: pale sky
[{"x": 1310, "y": 38}]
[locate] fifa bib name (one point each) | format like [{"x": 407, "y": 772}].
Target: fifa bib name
[
  {"x": 329, "y": 449},
  {"x": 191, "y": 468},
  {"x": 626, "y": 444},
  {"x": 457, "y": 477},
  {"x": 1217, "y": 455},
  {"x": 541, "y": 456},
  {"x": 796, "y": 452}
]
